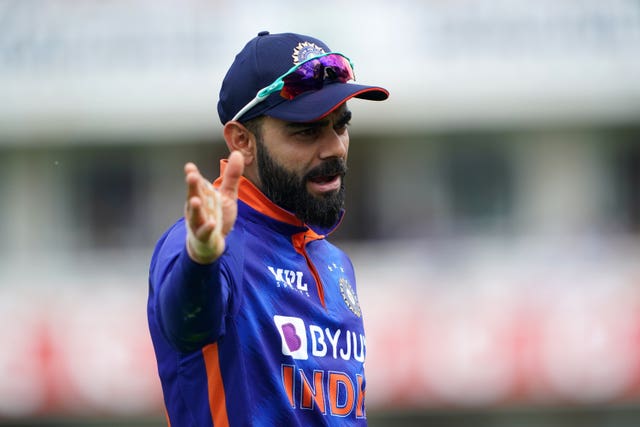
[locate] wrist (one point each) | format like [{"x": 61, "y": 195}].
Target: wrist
[{"x": 204, "y": 252}]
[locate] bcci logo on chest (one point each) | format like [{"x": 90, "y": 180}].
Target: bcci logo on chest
[{"x": 349, "y": 296}]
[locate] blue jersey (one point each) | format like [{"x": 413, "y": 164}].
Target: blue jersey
[{"x": 270, "y": 334}]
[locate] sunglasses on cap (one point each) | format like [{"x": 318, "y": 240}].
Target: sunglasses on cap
[{"x": 304, "y": 77}]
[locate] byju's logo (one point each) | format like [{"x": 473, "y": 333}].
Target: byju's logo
[{"x": 293, "y": 335}]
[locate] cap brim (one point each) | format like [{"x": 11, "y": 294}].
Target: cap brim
[{"x": 313, "y": 106}]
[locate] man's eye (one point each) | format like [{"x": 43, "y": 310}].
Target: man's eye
[
  {"x": 307, "y": 132},
  {"x": 342, "y": 127}
]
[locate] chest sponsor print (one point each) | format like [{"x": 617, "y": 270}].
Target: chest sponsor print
[
  {"x": 289, "y": 279},
  {"x": 300, "y": 340}
]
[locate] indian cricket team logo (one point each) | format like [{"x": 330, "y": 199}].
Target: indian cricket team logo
[
  {"x": 350, "y": 297},
  {"x": 293, "y": 336},
  {"x": 306, "y": 50}
]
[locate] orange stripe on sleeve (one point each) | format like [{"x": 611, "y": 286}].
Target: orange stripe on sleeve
[
  {"x": 217, "y": 401},
  {"x": 166, "y": 414}
]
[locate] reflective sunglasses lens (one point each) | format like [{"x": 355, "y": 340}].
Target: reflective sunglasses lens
[
  {"x": 340, "y": 67},
  {"x": 307, "y": 77},
  {"x": 311, "y": 75}
]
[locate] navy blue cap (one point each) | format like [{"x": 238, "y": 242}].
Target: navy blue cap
[{"x": 268, "y": 56}]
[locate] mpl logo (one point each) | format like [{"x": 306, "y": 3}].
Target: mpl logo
[
  {"x": 293, "y": 335},
  {"x": 289, "y": 279}
]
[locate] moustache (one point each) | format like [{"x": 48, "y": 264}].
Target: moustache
[{"x": 328, "y": 168}]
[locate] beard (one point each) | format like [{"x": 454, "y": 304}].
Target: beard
[{"x": 289, "y": 190}]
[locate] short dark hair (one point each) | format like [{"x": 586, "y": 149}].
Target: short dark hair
[{"x": 255, "y": 126}]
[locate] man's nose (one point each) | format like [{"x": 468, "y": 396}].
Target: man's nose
[{"x": 334, "y": 144}]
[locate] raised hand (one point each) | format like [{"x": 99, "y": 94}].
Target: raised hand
[{"x": 211, "y": 213}]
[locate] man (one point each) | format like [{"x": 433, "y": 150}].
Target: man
[{"x": 253, "y": 314}]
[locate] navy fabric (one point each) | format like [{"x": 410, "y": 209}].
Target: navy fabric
[
  {"x": 285, "y": 321},
  {"x": 268, "y": 56}
]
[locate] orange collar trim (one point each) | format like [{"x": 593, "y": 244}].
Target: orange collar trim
[{"x": 252, "y": 196}]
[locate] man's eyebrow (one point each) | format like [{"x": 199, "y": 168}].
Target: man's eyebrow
[
  {"x": 344, "y": 119},
  {"x": 299, "y": 125}
]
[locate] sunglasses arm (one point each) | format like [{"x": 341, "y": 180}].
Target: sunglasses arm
[{"x": 260, "y": 96}]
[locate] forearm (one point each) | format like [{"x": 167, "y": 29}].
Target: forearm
[{"x": 191, "y": 303}]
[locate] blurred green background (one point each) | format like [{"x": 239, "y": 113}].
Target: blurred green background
[{"x": 493, "y": 210}]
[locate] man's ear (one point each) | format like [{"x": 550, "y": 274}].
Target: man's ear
[{"x": 239, "y": 138}]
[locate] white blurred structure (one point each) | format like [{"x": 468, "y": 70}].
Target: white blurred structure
[{"x": 494, "y": 201}]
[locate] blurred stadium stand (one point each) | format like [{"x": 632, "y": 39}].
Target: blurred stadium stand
[{"x": 493, "y": 212}]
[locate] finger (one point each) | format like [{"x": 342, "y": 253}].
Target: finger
[
  {"x": 193, "y": 213},
  {"x": 201, "y": 225},
  {"x": 204, "y": 232},
  {"x": 192, "y": 178},
  {"x": 232, "y": 174},
  {"x": 190, "y": 167},
  {"x": 202, "y": 199}
]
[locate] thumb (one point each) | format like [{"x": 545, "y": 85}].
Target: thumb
[{"x": 232, "y": 174}]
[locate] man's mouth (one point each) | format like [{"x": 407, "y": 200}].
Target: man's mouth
[
  {"x": 323, "y": 179},
  {"x": 324, "y": 183}
]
